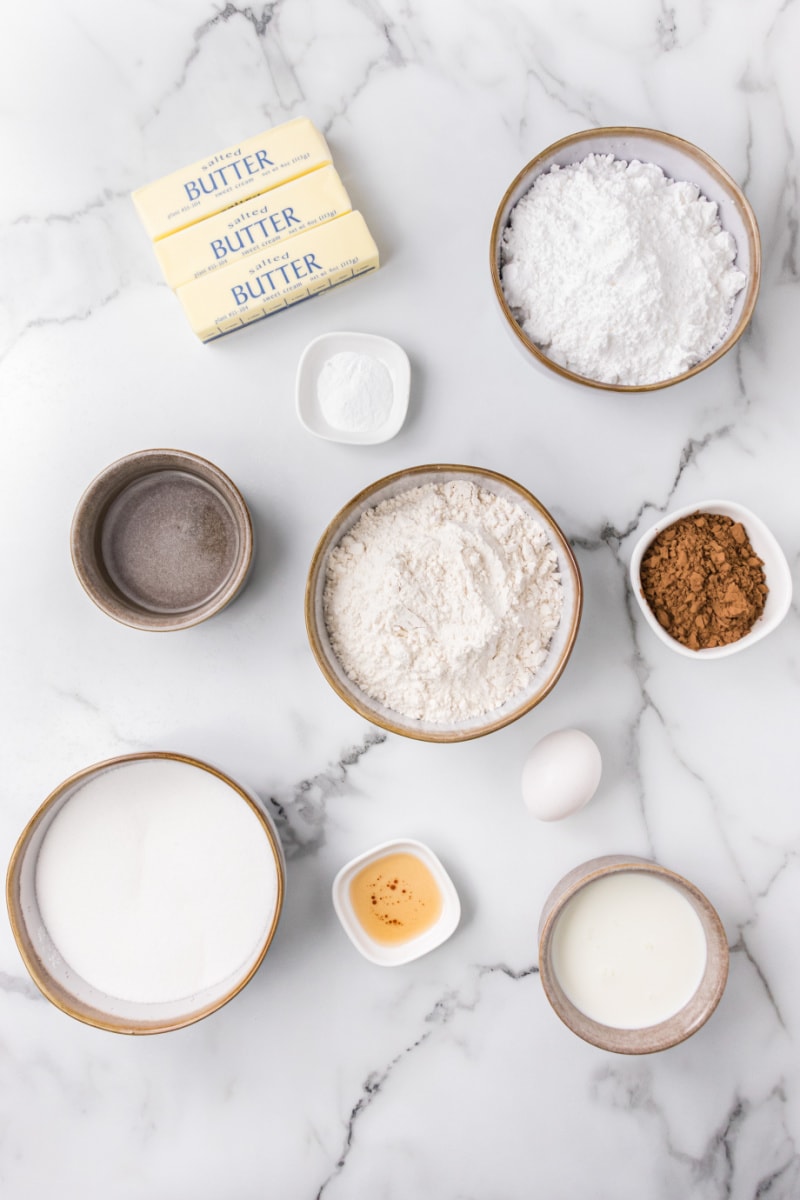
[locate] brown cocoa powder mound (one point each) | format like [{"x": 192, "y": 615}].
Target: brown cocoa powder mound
[{"x": 703, "y": 581}]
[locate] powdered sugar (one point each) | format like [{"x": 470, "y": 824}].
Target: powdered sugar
[
  {"x": 441, "y": 602},
  {"x": 619, "y": 273}
]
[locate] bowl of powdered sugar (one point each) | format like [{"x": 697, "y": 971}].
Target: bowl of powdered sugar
[
  {"x": 443, "y": 602},
  {"x": 625, "y": 259}
]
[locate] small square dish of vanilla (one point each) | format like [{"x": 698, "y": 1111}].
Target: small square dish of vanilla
[
  {"x": 396, "y": 902},
  {"x": 353, "y": 387}
]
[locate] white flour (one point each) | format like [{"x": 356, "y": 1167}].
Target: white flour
[
  {"x": 355, "y": 392},
  {"x": 441, "y": 602},
  {"x": 619, "y": 273}
]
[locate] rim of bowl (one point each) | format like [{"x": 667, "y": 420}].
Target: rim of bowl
[
  {"x": 316, "y": 637},
  {"x": 93, "y": 506},
  {"x": 57, "y": 995},
  {"x": 780, "y": 574},
  {"x": 713, "y": 167},
  {"x": 649, "y": 1039}
]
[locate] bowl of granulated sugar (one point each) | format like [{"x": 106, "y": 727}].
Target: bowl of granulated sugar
[
  {"x": 625, "y": 259},
  {"x": 443, "y": 602},
  {"x": 145, "y": 891}
]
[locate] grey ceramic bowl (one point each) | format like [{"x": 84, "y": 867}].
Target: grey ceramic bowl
[
  {"x": 46, "y": 966},
  {"x": 678, "y": 159},
  {"x": 683, "y": 1023},
  {"x": 560, "y": 647},
  {"x": 161, "y": 540}
]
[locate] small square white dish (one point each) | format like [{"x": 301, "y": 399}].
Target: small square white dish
[
  {"x": 314, "y": 358},
  {"x": 402, "y": 952}
]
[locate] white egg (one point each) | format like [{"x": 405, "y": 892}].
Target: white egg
[{"x": 561, "y": 774}]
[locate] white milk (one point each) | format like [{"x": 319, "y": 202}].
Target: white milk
[
  {"x": 156, "y": 880},
  {"x": 629, "y": 950}
]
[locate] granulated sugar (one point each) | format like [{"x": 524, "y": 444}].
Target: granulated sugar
[
  {"x": 441, "y": 602},
  {"x": 156, "y": 881},
  {"x": 619, "y": 273}
]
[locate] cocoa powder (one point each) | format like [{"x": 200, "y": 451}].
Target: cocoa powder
[{"x": 703, "y": 581}]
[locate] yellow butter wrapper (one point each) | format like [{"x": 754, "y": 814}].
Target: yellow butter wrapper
[
  {"x": 252, "y": 226},
  {"x": 305, "y": 265},
  {"x": 215, "y": 183}
]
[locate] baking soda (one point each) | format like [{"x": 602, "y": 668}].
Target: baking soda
[{"x": 355, "y": 392}]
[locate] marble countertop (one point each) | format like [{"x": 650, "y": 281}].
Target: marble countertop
[{"x": 450, "y": 1078}]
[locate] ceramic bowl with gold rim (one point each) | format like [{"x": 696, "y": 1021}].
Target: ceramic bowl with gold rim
[
  {"x": 679, "y": 160},
  {"x": 560, "y": 646},
  {"x": 162, "y": 540},
  {"x": 633, "y": 958},
  {"x": 145, "y": 892}
]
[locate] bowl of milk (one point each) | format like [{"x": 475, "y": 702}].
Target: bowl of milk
[
  {"x": 145, "y": 892},
  {"x": 633, "y": 957}
]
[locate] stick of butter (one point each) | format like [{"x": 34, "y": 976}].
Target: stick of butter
[
  {"x": 252, "y": 226},
  {"x": 255, "y": 287},
  {"x": 247, "y": 169}
]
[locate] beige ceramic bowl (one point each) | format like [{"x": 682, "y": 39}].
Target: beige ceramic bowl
[
  {"x": 776, "y": 572},
  {"x": 654, "y": 1037},
  {"x": 560, "y": 648},
  {"x": 161, "y": 540},
  {"x": 679, "y": 160},
  {"x": 53, "y": 976}
]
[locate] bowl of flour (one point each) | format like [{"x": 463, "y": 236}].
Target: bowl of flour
[
  {"x": 625, "y": 259},
  {"x": 443, "y": 602}
]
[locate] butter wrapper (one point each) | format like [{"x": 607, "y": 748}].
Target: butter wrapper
[
  {"x": 252, "y": 226},
  {"x": 307, "y": 264},
  {"x": 247, "y": 169}
]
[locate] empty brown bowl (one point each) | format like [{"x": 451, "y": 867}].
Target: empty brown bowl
[
  {"x": 645, "y": 966},
  {"x": 161, "y": 540}
]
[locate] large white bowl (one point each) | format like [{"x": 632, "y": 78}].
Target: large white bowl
[
  {"x": 776, "y": 571},
  {"x": 54, "y": 977}
]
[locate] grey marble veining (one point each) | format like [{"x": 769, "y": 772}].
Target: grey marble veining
[{"x": 448, "y": 1079}]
